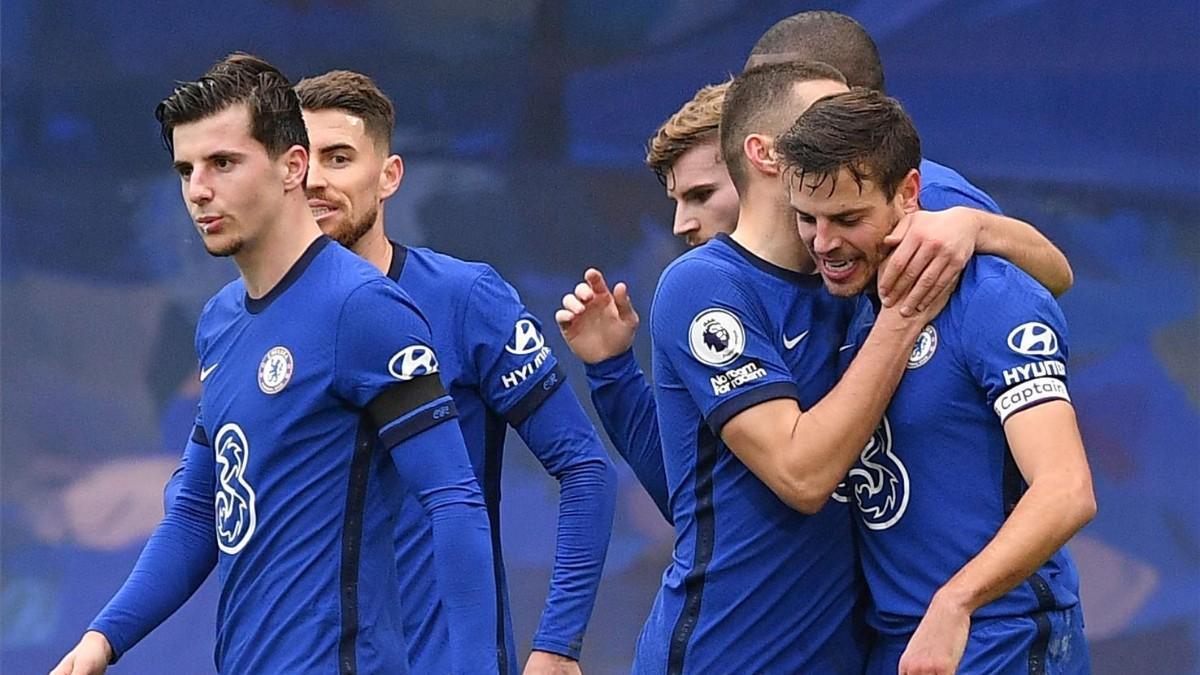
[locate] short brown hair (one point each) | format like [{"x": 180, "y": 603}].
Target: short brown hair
[
  {"x": 353, "y": 93},
  {"x": 696, "y": 122},
  {"x": 825, "y": 36},
  {"x": 239, "y": 78},
  {"x": 863, "y": 131},
  {"x": 757, "y": 102}
]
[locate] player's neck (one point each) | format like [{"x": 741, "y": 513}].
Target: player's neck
[
  {"x": 765, "y": 228},
  {"x": 277, "y": 249},
  {"x": 374, "y": 246}
]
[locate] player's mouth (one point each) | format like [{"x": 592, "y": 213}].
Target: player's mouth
[
  {"x": 838, "y": 270},
  {"x": 210, "y": 224},
  {"x": 321, "y": 209}
]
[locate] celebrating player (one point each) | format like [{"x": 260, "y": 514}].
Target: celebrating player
[
  {"x": 309, "y": 362},
  {"x": 977, "y": 476},
  {"x": 497, "y": 368},
  {"x": 599, "y": 324}
]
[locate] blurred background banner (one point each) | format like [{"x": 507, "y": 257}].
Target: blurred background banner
[{"x": 523, "y": 127}]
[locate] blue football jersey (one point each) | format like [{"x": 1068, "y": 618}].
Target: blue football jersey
[
  {"x": 299, "y": 389},
  {"x": 937, "y": 480},
  {"x": 499, "y": 370},
  {"x": 298, "y": 480},
  {"x": 754, "y": 586}
]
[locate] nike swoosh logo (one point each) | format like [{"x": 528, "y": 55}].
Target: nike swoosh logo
[
  {"x": 208, "y": 371},
  {"x": 845, "y": 347},
  {"x": 788, "y": 344}
]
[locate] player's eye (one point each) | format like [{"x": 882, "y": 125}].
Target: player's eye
[
  {"x": 702, "y": 196},
  {"x": 339, "y": 160},
  {"x": 223, "y": 163},
  {"x": 185, "y": 174},
  {"x": 805, "y": 218},
  {"x": 851, "y": 221}
]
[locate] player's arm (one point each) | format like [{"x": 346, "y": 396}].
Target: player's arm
[
  {"x": 427, "y": 448},
  {"x": 564, "y": 441},
  {"x": 599, "y": 325},
  {"x": 1043, "y": 437},
  {"x": 519, "y": 376},
  {"x": 802, "y": 455},
  {"x": 931, "y": 247},
  {"x": 178, "y": 557},
  {"x": 384, "y": 365}
]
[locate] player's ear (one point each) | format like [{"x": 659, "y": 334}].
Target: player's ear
[
  {"x": 760, "y": 152},
  {"x": 293, "y": 164},
  {"x": 909, "y": 191},
  {"x": 390, "y": 177}
]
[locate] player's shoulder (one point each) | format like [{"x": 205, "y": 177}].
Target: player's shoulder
[
  {"x": 992, "y": 288},
  {"x": 706, "y": 265},
  {"x": 449, "y": 276},
  {"x": 943, "y": 187}
]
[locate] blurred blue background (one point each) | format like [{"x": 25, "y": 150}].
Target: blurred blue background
[{"x": 523, "y": 125}]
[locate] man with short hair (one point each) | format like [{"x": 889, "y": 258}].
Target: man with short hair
[
  {"x": 977, "y": 476},
  {"x": 497, "y": 368},
  {"x": 309, "y": 361}
]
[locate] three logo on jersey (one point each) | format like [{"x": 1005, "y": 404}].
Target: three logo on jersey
[
  {"x": 527, "y": 339},
  {"x": 878, "y": 482},
  {"x": 235, "y": 500}
]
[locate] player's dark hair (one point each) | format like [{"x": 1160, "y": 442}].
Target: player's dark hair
[
  {"x": 355, "y": 94},
  {"x": 863, "y": 131},
  {"x": 758, "y": 102},
  {"x": 275, "y": 119},
  {"x": 825, "y": 36}
]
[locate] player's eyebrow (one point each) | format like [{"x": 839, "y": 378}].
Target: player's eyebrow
[
  {"x": 855, "y": 211},
  {"x": 335, "y": 147},
  {"x": 694, "y": 191}
]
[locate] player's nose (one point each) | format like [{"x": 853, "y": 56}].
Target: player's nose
[
  {"x": 198, "y": 190},
  {"x": 684, "y": 223},
  {"x": 823, "y": 237}
]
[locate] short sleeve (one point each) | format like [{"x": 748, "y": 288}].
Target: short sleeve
[
  {"x": 384, "y": 362},
  {"x": 714, "y": 336},
  {"x": 516, "y": 369},
  {"x": 1015, "y": 342}
]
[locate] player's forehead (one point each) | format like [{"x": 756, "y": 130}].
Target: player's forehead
[
  {"x": 224, "y": 131},
  {"x": 333, "y": 126},
  {"x": 832, "y": 194},
  {"x": 700, "y": 164}
]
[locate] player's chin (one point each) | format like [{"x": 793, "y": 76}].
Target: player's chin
[{"x": 223, "y": 247}]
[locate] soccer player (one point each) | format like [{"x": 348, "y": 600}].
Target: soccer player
[
  {"x": 977, "y": 475},
  {"x": 599, "y": 324},
  {"x": 310, "y": 361},
  {"x": 685, "y": 154},
  {"x": 497, "y": 368}
]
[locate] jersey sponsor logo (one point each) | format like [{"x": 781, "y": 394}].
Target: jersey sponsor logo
[
  {"x": 923, "y": 348},
  {"x": 716, "y": 337},
  {"x": 879, "y": 482},
  {"x": 732, "y": 379},
  {"x": 1033, "y": 339},
  {"x": 526, "y": 339},
  {"x": 413, "y": 361},
  {"x": 205, "y": 372},
  {"x": 1028, "y": 371},
  {"x": 1027, "y": 393},
  {"x": 275, "y": 370},
  {"x": 235, "y": 501},
  {"x": 790, "y": 343},
  {"x": 518, "y": 375}
]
